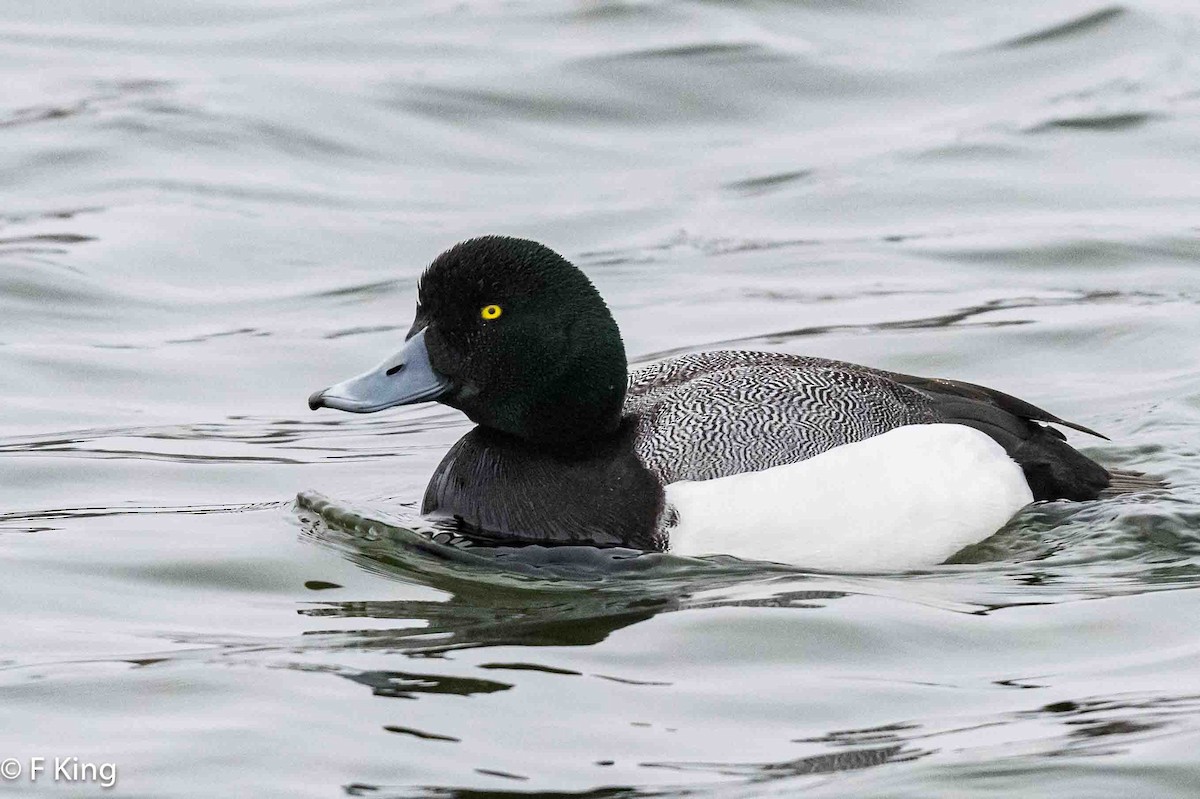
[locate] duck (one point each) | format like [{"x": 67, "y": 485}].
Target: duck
[{"x": 755, "y": 455}]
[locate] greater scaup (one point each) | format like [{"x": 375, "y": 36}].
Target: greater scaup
[{"x": 752, "y": 454}]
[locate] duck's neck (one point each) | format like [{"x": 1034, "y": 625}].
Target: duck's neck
[
  {"x": 570, "y": 408},
  {"x": 582, "y": 406}
]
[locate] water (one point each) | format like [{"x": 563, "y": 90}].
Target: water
[{"x": 212, "y": 209}]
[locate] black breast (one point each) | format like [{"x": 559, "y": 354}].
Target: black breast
[{"x": 496, "y": 485}]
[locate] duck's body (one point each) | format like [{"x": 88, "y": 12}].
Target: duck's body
[
  {"x": 773, "y": 456},
  {"x": 761, "y": 455}
]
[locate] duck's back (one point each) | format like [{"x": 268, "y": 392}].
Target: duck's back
[{"x": 714, "y": 414}]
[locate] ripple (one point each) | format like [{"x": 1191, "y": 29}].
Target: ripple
[
  {"x": 685, "y": 241},
  {"x": 37, "y": 114},
  {"x": 1079, "y": 26},
  {"x": 1097, "y": 122},
  {"x": 963, "y": 317},
  {"x": 47, "y": 238},
  {"x": 239, "y": 439},
  {"x": 752, "y": 187},
  {"x": 701, "y": 51},
  {"x": 832, "y": 763},
  {"x": 423, "y": 735}
]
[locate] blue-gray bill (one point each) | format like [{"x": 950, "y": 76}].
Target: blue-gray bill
[{"x": 403, "y": 379}]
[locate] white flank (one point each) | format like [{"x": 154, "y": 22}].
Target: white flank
[{"x": 908, "y": 498}]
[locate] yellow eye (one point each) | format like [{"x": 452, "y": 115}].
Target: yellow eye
[{"x": 491, "y": 312}]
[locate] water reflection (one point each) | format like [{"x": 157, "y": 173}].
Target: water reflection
[
  {"x": 429, "y": 792},
  {"x": 530, "y": 596},
  {"x": 406, "y": 685},
  {"x": 1103, "y": 725},
  {"x": 748, "y": 775},
  {"x": 495, "y": 618},
  {"x": 805, "y": 766}
]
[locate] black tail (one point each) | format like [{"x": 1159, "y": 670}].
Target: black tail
[{"x": 1053, "y": 468}]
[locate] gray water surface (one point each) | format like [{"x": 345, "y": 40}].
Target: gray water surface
[{"x": 211, "y": 209}]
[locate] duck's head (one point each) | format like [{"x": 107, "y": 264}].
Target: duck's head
[{"x": 510, "y": 333}]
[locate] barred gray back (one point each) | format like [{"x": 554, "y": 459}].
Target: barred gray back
[{"x": 713, "y": 414}]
